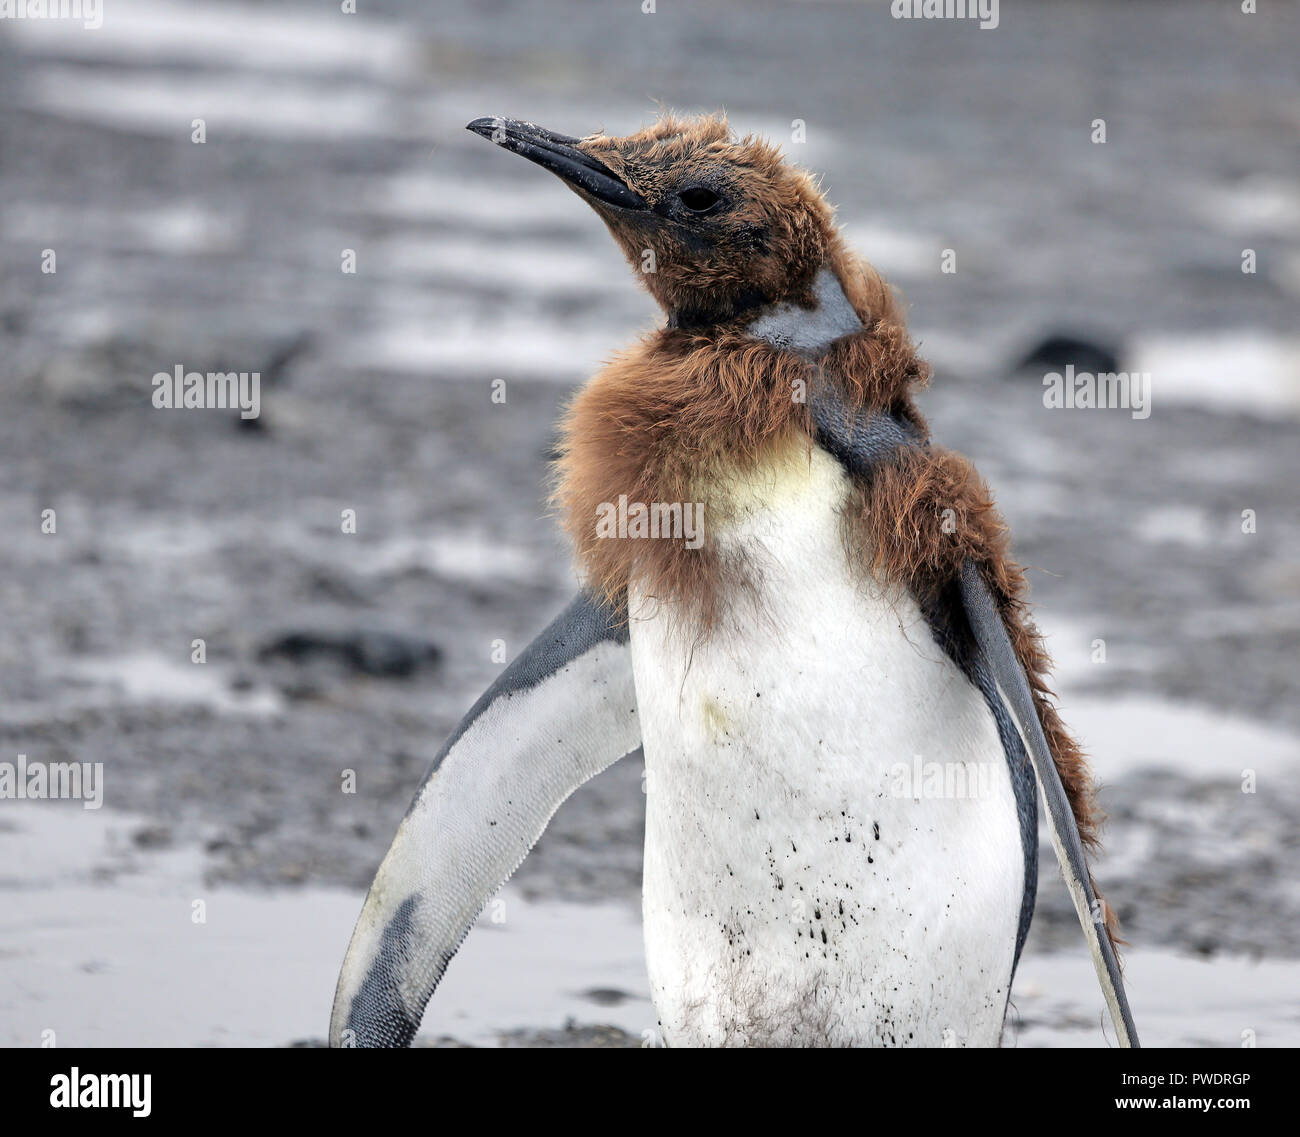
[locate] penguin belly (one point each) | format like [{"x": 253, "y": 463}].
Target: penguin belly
[{"x": 832, "y": 851}]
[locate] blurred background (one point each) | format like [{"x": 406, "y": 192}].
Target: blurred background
[{"x": 1175, "y": 631}]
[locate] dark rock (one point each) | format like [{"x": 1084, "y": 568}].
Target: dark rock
[
  {"x": 281, "y": 354},
  {"x": 606, "y": 996},
  {"x": 1057, "y": 351},
  {"x": 152, "y": 837},
  {"x": 382, "y": 654}
]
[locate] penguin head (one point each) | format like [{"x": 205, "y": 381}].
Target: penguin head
[{"x": 716, "y": 227}]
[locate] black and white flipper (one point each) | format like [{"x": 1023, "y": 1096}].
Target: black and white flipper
[
  {"x": 995, "y": 645},
  {"x": 558, "y": 715}
]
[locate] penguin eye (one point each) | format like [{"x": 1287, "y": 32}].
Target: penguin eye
[{"x": 698, "y": 199}]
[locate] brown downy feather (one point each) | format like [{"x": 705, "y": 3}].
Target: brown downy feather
[
  {"x": 783, "y": 228},
  {"x": 680, "y": 412},
  {"x": 922, "y": 517},
  {"x": 659, "y": 424}
]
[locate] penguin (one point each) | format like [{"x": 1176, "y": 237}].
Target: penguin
[{"x": 802, "y": 610}]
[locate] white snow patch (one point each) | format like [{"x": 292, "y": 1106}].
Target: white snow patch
[
  {"x": 144, "y": 678},
  {"x": 1260, "y": 203},
  {"x": 1247, "y": 372},
  {"x": 476, "y": 345},
  {"x": 466, "y": 556},
  {"x": 140, "y": 32}
]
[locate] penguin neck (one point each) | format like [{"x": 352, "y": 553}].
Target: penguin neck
[
  {"x": 806, "y": 325},
  {"x": 804, "y": 329},
  {"x": 816, "y": 307},
  {"x": 746, "y": 303}
]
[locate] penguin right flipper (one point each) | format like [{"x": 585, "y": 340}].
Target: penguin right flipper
[{"x": 562, "y": 712}]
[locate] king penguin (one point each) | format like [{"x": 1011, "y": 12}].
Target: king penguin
[{"x": 802, "y": 610}]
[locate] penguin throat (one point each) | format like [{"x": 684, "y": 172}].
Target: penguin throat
[
  {"x": 809, "y": 331},
  {"x": 693, "y": 318}
]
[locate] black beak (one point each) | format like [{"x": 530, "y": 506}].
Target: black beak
[{"x": 556, "y": 152}]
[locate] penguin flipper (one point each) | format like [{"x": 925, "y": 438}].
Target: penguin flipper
[
  {"x": 562, "y": 712},
  {"x": 995, "y": 645}
]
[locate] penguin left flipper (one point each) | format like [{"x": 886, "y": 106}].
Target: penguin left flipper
[
  {"x": 998, "y": 652},
  {"x": 562, "y": 712}
]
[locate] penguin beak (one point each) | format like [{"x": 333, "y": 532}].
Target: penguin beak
[{"x": 559, "y": 154}]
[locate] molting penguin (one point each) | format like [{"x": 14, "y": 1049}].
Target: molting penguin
[{"x": 840, "y": 698}]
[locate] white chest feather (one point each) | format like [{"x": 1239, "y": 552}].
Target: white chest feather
[{"x": 832, "y": 850}]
